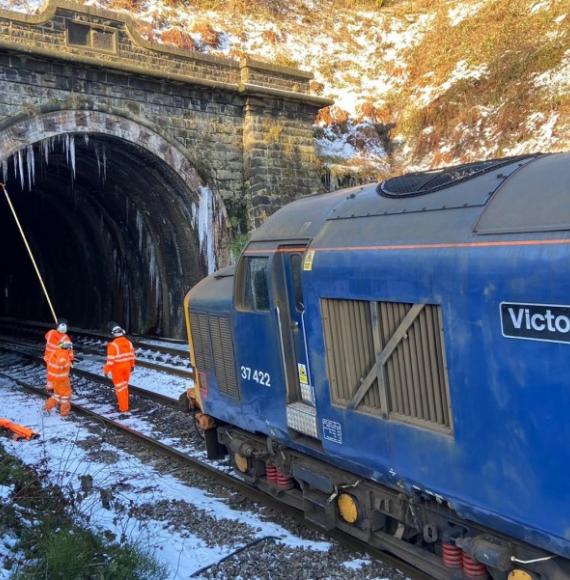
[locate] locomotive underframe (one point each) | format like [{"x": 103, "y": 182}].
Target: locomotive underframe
[{"x": 411, "y": 525}]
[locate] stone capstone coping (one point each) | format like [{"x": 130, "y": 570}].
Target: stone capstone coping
[{"x": 47, "y": 34}]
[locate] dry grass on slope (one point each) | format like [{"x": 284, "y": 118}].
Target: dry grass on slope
[{"x": 511, "y": 45}]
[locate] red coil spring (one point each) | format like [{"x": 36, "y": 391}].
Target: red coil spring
[
  {"x": 271, "y": 472},
  {"x": 472, "y": 568},
  {"x": 283, "y": 480},
  {"x": 452, "y": 556}
]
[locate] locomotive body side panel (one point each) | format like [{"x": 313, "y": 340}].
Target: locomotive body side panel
[
  {"x": 509, "y": 397},
  {"x": 500, "y": 455}
]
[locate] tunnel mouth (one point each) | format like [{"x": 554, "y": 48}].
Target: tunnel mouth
[{"x": 117, "y": 232}]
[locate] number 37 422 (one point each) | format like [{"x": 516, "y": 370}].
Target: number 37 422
[{"x": 260, "y": 377}]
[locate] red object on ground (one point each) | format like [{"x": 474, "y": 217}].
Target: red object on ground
[{"x": 19, "y": 431}]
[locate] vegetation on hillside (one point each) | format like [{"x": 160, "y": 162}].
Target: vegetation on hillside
[{"x": 416, "y": 83}]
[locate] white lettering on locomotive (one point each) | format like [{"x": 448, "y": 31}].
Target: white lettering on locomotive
[{"x": 538, "y": 321}]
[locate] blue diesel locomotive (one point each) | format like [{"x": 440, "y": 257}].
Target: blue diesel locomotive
[{"x": 394, "y": 360}]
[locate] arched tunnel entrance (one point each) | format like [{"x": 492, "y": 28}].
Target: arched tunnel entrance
[{"x": 120, "y": 230}]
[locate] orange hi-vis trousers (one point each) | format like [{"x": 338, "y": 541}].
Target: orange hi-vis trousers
[
  {"x": 121, "y": 374},
  {"x": 61, "y": 396},
  {"x": 120, "y": 362}
]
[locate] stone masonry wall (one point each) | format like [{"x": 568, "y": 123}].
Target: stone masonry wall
[
  {"x": 205, "y": 122},
  {"x": 279, "y": 156},
  {"x": 247, "y": 127}
]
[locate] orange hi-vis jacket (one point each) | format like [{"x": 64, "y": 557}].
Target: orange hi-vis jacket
[
  {"x": 120, "y": 354},
  {"x": 53, "y": 339},
  {"x": 58, "y": 366}
]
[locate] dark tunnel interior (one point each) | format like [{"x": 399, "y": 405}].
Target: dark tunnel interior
[{"x": 112, "y": 229}]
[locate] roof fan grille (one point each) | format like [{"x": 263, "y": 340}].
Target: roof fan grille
[{"x": 413, "y": 184}]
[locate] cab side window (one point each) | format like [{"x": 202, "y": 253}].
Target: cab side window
[
  {"x": 254, "y": 293},
  {"x": 296, "y": 266}
]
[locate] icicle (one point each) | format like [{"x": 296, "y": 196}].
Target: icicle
[
  {"x": 45, "y": 149},
  {"x": 139, "y": 226},
  {"x": 21, "y": 168},
  {"x": 86, "y": 139},
  {"x": 98, "y": 158},
  {"x": 104, "y": 164},
  {"x": 31, "y": 166},
  {"x": 204, "y": 220},
  {"x": 5, "y": 175},
  {"x": 72, "y": 154}
]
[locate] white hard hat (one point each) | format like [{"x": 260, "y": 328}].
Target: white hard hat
[
  {"x": 62, "y": 326},
  {"x": 117, "y": 331}
]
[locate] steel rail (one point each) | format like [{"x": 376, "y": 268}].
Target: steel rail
[
  {"x": 248, "y": 490},
  {"x": 137, "y": 340},
  {"x": 158, "y": 397},
  {"x": 170, "y": 369}
]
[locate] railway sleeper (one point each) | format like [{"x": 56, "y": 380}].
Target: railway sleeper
[{"x": 417, "y": 527}]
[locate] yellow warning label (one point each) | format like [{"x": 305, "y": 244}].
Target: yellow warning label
[
  {"x": 303, "y": 379},
  {"x": 308, "y": 262}
]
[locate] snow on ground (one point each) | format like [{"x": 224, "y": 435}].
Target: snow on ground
[
  {"x": 7, "y": 551},
  {"x": 180, "y": 346},
  {"x": 152, "y": 380},
  {"x": 63, "y": 446},
  {"x": 143, "y": 377},
  {"x": 5, "y": 491},
  {"x": 356, "y": 564}
]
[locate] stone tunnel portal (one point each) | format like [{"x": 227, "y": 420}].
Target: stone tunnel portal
[{"x": 120, "y": 231}]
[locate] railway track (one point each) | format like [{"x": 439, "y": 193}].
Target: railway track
[
  {"x": 37, "y": 357},
  {"x": 22, "y": 368},
  {"x": 155, "y": 354}
]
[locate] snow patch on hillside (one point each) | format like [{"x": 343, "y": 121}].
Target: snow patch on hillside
[
  {"x": 459, "y": 13},
  {"x": 542, "y": 129},
  {"x": 556, "y": 81},
  {"x": 25, "y": 6},
  {"x": 538, "y": 6}
]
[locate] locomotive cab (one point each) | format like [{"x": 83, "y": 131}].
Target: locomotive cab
[
  {"x": 259, "y": 329},
  {"x": 270, "y": 329},
  {"x": 257, "y": 326}
]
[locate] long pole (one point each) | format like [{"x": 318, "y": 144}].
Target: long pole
[{"x": 29, "y": 252}]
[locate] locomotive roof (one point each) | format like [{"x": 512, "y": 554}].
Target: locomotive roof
[{"x": 507, "y": 196}]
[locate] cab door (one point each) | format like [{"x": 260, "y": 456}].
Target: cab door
[
  {"x": 290, "y": 311},
  {"x": 263, "y": 393}
]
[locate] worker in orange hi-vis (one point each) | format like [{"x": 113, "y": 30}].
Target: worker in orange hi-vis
[
  {"x": 120, "y": 363},
  {"x": 58, "y": 367},
  {"x": 54, "y": 338}
]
